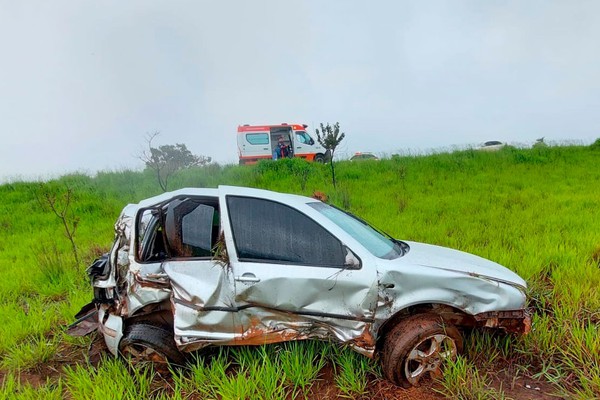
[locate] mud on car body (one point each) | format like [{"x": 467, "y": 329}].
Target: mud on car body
[{"x": 239, "y": 266}]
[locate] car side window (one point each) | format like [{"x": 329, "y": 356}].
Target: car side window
[
  {"x": 257, "y": 138},
  {"x": 265, "y": 230}
]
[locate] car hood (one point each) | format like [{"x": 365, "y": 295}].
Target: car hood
[{"x": 431, "y": 256}]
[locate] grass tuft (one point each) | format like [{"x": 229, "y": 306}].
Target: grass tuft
[
  {"x": 351, "y": 373},
  {"x": 301, "y": 363},
  {"x": 462, "y": 381},
  {"x": 113, "y": 379}
]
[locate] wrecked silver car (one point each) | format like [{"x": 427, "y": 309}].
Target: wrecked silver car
[{"x": 238, "y": 266}]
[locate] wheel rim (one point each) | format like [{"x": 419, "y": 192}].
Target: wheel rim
[
  {"x": 428, "y": 356},
  {"x": 139, "y": 353}
]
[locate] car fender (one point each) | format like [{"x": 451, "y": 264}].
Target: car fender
[{"x": 400, "y": 290}]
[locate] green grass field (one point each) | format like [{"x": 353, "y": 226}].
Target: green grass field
[{"x": 536, "y": 211}]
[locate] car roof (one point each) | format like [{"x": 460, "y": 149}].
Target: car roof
[
  {"x": 181, "y": 192},
  {"x": 290, "y": 199},
  {"x": 286, "y": 198}
]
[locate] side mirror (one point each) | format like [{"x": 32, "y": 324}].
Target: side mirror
[{"x": 352, "y": 261}]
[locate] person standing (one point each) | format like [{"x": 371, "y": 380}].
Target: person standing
[{"x": 282, "y": 149}]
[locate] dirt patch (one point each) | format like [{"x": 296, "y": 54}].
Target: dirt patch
[
  {"x": 522, "y": 388},
  {"x": 378, "y": 389},
  {"x": 382, "y": 389},
  {"x": 52, "y": 371},
  {"x": 35, "y": 377}
]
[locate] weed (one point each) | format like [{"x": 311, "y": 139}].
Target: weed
[
  {"x": 462, "y": 381},
  {"x": 351, "y": 373},
  {"x": 402, "y": 202},
  {"x": 301, "y": 363},
  {"x": 57, "y": 275},
  {"x": 12, "y": 389},
  {"x": 205, "y": 378},
  {"x": 596, "y": 256},
  {"x": 29, "y": 353},
  {"x": 267, "y": 376},
  {"x": 342, "y": 198},
  {"x": 113, "y": 379}
]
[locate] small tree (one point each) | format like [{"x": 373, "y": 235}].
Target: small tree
[
  {"x": 167, "y": 159},
  {"x": 330, "y": 137},
  {"x": 60, "y": 202}
]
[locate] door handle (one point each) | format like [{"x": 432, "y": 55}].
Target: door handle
[
  {"x": 247, "y": 277},
  {"x": 265, "y": 148}
]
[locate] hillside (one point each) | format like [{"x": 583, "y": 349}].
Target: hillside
[{"x": 536, "y": 211}]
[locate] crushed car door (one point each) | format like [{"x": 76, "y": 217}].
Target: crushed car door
[
  {"x": 203, "y": 291},
  {"x": 294, "y": 279}
]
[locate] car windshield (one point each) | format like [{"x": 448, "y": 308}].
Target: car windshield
[
  {"x": 376, "y": 243},
  {"x": 303, "y": 137}
]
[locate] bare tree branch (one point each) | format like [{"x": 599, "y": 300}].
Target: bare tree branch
[{"x": 59, "y": 203}]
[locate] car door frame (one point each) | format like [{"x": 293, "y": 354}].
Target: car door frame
[{"x": 201, "y": 292}]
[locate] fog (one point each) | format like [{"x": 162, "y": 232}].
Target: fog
[{"x": 82, "y": 83}]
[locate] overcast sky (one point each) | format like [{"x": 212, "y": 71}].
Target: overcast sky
[{"x": 83, "y": 82}]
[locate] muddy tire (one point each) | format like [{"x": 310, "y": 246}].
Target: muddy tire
[
  {"x": 415, "y": 349},
  {"x": 320, "y": 158},
  {"x": 145, "y": 343}
]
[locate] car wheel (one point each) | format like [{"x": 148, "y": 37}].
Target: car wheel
[
  {"x": 320, "y": 158},
  {"x": 146, "y": 343},
  {"x": 416, "y": 349}
]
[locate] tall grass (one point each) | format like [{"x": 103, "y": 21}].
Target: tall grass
[
  {"x": 352, "y": 371},
  {"x": 301, "y": 362},
  {"x": 251, "y": 373},
  {"x": 11, "y": 388},
  {"x": 462, "y": 381},
  {"x": 115, "y": 380},
  {"x": 537, "y": 211}
]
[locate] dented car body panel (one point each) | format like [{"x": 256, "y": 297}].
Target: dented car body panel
[
  {"x": 240, "y": 266},
  {"x": 467, "y": 282}
]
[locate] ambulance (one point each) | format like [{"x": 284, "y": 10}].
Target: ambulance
[{"x": 260, "y": 142}]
